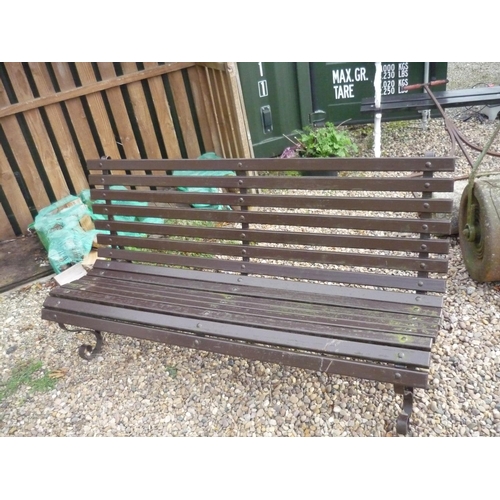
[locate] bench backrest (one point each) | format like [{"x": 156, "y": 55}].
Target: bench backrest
[{"x": 373, "y": 224}]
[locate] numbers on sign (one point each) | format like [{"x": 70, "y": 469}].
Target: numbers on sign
[
  {"x": 388, "y": 71},
  {"x": 388, "y": 87}
]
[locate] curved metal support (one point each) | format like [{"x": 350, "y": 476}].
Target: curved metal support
[
  {"x": 86, "y": 351},
  {"x": 403, "y": 422}
]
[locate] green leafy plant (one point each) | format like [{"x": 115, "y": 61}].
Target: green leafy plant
[{"x": 321, "y": 142}]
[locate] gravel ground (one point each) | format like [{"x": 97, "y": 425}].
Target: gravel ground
[{"x": 141, "y": 388}]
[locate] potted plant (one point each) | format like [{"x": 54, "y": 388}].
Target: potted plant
[{"x": 323, "y": 142}]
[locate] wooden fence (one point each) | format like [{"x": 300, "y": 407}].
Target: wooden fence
[{"x": 56, "y": 116}]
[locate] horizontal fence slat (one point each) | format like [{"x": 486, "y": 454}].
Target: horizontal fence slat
[{"x": 68, "y": 94}]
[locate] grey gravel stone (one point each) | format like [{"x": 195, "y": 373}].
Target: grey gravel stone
[{"x": 140, "y": 388}]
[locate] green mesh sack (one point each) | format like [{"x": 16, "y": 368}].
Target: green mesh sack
[
  {"x": 59, "y": 227},
  {"x": 194, "y": 173},
  {"x": 85, "y": 197}
]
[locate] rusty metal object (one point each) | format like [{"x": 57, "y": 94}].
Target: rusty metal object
[
  {"x": 479, "y": 219},
  {"x": 479, "y": 230}
]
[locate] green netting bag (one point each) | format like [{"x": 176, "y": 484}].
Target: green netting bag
[
  {"x": 85, "y": 197},
  {"x": 194, "y": 173},
  {"x": 66, "y": 231}
]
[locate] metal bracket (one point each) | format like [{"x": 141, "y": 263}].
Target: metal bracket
[
  {"x": 85, "y": 351},
  {"x": 403, "y": 422}
]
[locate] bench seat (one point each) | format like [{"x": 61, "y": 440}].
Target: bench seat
[{"x": 337, "y": 274}]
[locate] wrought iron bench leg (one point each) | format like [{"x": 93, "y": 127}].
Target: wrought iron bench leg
[
  {"x": 403, "y": 422},
  {"x": 87, "y": 352}
]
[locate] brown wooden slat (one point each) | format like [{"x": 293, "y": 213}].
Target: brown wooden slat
[
  {"x": 396, "y": 224},
  {"x": 68, "y": 94},
  {"x": 142, "y": 115},
  {"x": 14, "y": 196},
  {"x": 227, "y": 110},
  {"x": 76, "y": 112},
  {"x": 24, "y": 160},
  {"x": 209, "y": 111},
  {"x": 215, "y": 107},
  {"x": 204, "y": 120},
  {"x": 162, "y": 109},
  {"x": 427, "y": 305},
  {"x": 60, "y": 128},
  {"x": 279, "y": 253},
  {"x": 255, "y": 314},
  {"x": 281, "y": 237},
  {"x": 120, "y": 114},
  {"x": 327, "y": 364},
  {"x": 244, "y": 146},
  {"x": 184, "y": 114},
  {"x": 329, "y": 320},
  {"x": 309, "y": 183},
  {"x": 347, "y": 277},
  {"x": 316, "y": 294},
  {"x": 409, "y": 164},
  {"x": 6, "y": 230},
  {"x": 435, "y": 205},
  {"x": 360, "y": 350},
  {"x": 38, "y": 131}
]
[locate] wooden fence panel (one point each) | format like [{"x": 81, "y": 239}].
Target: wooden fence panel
[
  {"x": 59, "y": 127},
  {"x": 162, "y": 107},
  {"x": 119, "y": 110},
  {"x": 38, "y": 132},
  {"x": 15, "y": 201},
  {"x": 5, "y": 225},
  {"x": 21, "y": 157},
  {"x": 55, "y": 116},
  {"x": 142, "y": 114},
  {"x": 76, "y": 112}
]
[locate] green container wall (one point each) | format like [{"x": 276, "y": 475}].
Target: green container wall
[
  {"x": 272, "y": 92},
  {"x": 281, "y": 98},
  {"x": 339, "y": 88}
]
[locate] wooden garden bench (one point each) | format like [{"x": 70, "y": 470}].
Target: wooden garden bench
[{"x": 337, "y": 274}]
